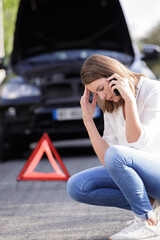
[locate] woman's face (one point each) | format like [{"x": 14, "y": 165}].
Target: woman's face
[{"x": 101, "y": 87}]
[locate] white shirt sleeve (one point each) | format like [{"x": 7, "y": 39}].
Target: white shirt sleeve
[
  {"x": 150, "y": 119},
  {"x": 108, "y": 133}
]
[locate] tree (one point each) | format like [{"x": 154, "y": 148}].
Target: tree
[
  {"x": 153, "y": 37},
  {"x": 9, "y": 18}
]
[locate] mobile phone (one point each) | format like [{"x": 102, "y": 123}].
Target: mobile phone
[{"x": 115, "y": 90}]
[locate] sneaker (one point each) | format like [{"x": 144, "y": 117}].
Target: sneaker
[
  {"x": 129, "y": 222},
  {"x": 156, "y": 209},
  {"x": 139, "y": 229}
]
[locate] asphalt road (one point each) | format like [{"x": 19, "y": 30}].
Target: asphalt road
[{"x": 35, "y": 210}]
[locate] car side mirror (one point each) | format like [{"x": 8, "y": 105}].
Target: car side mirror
[
  {"x": 2, "y": 66},
  {"x": 150, "y": 52},
  {"x": 1, "y": 63}
]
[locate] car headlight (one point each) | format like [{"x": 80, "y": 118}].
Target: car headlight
[{"x": 16, "y": 90}]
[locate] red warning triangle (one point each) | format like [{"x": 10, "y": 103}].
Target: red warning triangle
[{"x": 44, "y": 146}]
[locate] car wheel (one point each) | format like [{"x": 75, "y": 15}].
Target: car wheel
[
  {"x": 4, "y": 150},
  {"x": 10, "y": 151}
]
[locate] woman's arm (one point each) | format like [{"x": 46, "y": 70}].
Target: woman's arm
[
  {"x": 133, "y": 124},
  {"x": 99, "y": 145}
]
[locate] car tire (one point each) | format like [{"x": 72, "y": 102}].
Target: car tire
[
  {"x": 4, "y": 151},
  {"x": 10, "y": 151}
]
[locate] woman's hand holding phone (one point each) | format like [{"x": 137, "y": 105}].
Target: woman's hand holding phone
[
  {"x": 117, "y": 93},
  {"x": 120, "y": 85}
]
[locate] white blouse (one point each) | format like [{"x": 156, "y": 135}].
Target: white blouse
[{"x": 148, "y": 105}]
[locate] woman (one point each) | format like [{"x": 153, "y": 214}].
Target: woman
[{"x": 129, "y": 149}]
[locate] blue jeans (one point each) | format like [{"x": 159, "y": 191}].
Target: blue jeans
[{"x": 127, "y": 180}]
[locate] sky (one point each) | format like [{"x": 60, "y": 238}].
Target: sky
[{"x": 142, "y": 15}]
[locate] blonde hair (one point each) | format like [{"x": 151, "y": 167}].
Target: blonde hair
[{"x": 97, "y": 66}]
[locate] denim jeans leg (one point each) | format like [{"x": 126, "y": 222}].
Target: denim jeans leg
[
  {"x": 137, "y": 174},
  {"x": 95, "y": 186}
]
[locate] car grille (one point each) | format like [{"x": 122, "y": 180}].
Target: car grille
[
  {"x": 58, "y": 91},
  {"x": 63, "y": 90}
]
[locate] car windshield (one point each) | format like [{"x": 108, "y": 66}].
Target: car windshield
[
  {"x": 81, "y": 54},
  {"x": 71, "y": 59}
]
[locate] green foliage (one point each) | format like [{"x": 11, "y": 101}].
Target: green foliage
[
  {"x": 9, "y": 17},
  {"x": 153, "y": 37}
]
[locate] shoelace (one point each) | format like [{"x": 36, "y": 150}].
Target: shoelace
[
  {"x": 135, "y": 219},
  {"x": 156, "y": 209}
]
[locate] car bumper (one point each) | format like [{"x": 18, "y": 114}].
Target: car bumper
[{"x": 31, "y": 125}]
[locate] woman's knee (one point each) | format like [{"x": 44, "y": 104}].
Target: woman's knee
[
  {"x": 74, "y": 188},
  {"x": 114, "y": 157}
]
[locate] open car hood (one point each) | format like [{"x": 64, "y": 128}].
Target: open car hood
[{"x": 46, "y": 26}]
